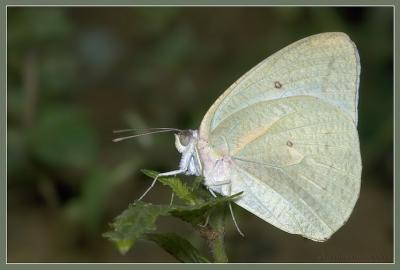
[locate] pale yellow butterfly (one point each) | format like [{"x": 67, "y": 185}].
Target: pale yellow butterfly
[{"x": 285, "y": 134}]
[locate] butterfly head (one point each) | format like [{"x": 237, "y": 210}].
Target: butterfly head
[{"x": 184, "y": 139}]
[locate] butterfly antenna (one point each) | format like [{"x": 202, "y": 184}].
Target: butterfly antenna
[
  {"x": 143, "y": 134},
  {"x": 144, "y": 130}
]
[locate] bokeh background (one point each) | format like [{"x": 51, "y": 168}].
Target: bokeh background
[{"x": 75, "y": 74}]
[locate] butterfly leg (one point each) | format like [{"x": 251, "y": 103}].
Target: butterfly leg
[
  {"x": 160, "y": 175},
  {"x": 221, "y": 183},
  {"x": 206, "y": 222},
  {"x": 234, "y": 220},
  {"x": 233, "y": 216},
  {"x": 208, "y": 216},
  {"x": 227, "y": 182},
  {"x": 212, "y": 192}
]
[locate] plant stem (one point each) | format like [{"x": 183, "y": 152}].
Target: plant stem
[{"x": 217, "y": 243}]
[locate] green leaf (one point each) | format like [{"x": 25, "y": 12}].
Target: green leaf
[
  {"x": 177, "y": 186},
  {"x": 178, "y": 247},
  {"x": 198, "y": 188},
  {"x": 198, "y": 180},
  {"x": 197, "y": 213},
  {"x": 135, "y": 221},
  {"x": 140, "y": 218}
]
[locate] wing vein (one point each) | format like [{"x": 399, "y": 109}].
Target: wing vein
[
  {"x": 297, "y": 195},
  {"x": 280, "y": 195}
]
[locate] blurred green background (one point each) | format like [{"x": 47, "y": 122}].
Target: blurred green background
[{"x": 76, "y": 74}]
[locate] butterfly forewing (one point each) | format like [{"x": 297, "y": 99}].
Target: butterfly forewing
[
  {"x": 285, "y": 134},
  {"x": 324, "y": 65}
]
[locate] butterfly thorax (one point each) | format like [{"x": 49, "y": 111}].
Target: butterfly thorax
[
  {"x": 185, "y": 143},
  {"x": 198, "y": 158}
]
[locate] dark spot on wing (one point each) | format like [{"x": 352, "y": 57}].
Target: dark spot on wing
[
  {"x": 277, "y": 84},
  {"x": 289, "y": 143}
]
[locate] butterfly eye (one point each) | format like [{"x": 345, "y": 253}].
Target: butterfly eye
[{"x": 184, "y": 139}]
